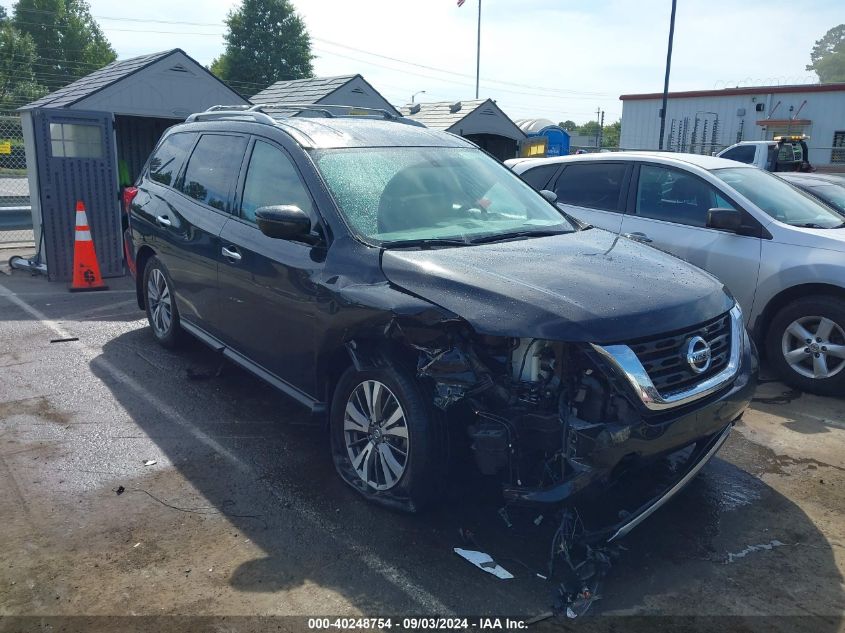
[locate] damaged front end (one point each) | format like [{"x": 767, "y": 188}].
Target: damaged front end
[{"x": 562, "y": 424}]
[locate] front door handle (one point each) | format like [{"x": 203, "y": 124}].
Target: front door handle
[
  {"x": 638, "y": 236},
  {"x": 231, "y": 253},
  {"x": 163, "y": 220}
]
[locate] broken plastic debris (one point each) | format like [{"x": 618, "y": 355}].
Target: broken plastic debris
[
  {"x": 503, "y": 512},
  {"x": 136, "y": 545},
  {"x": 484, "y": 562},
  {"x": 150, "y": 462},
  {"x": 538, "y": 520},
  {"x": 753, "y": 548}
]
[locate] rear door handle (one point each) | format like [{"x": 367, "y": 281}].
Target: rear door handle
[
  {"x": 638, "y": 236},
  {"x": 163, "y": 220},
  {"x": 231, "y": 253}
]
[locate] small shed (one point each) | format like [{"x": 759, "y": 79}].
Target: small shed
[
  {"x": 348, "y": 90},
  {"x": 478, "y": 120},
  {"x": 86, "y": 140},
  {"x": 557, "y": 138}
]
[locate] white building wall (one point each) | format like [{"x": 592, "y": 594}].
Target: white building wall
[{"x": 825, "y": 110}]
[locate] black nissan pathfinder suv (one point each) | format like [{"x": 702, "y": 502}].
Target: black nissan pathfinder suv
[{"x": 413, "y": 290}]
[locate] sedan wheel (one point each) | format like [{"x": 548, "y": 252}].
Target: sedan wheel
[
  {"x": 805, "y": 344},
  {"x": 376, "y": 435},
  {"x": 814, "y": 347}
]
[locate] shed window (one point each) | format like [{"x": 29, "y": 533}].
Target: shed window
[
  {"x": 837, "y": 155},
  {"x": 76, "y": 140}
]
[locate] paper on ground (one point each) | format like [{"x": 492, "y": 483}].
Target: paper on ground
[{"x": 484, "y": 562}]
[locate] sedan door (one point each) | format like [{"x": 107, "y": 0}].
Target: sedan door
[
  {"x": 593, "y": 191},
  {"x": 267, "y": 296},
  {"x": 668, "y": 210}
]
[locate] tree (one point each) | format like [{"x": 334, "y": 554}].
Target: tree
[
  {"x": 828, "y": 56},
  {"x": 568, "y": 125},
  {"x": 610, "y": 134},
  {"x": 590, "y": 128},
  {"x": 266, "y": 42},
  {"x": 18, "y": 60},
  {"x": 68, "y": 41}
]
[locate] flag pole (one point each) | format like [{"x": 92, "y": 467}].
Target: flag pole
[{"x": 478, "y": 52}]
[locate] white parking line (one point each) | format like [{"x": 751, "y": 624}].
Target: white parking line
[{"x": 393, "y": 575}]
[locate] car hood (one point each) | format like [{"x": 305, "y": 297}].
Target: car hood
[
  {"x": 587, "y": 286},
  {"x": 830, "y": 239}
]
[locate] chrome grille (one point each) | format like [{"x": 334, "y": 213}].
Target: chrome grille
[{"x": 664, "y": 357}]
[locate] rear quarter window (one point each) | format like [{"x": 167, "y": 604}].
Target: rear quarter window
[
  {"x": 595, "y": 185},
  {"x": 169, "y": 157},
  {"x": 539, "y": 177}
]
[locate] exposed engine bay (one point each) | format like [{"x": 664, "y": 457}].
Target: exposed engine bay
[{"x": 540, "y": 410}]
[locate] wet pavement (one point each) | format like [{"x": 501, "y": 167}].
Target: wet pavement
[{"x": 135, "y": 480}]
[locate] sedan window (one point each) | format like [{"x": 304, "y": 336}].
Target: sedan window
[
  {"x": 676, "y": 196},
  {"x": 593, "y": 185},
  {"x": 778, "y": 199}
]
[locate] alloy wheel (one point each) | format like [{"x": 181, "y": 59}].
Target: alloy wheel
[
  {"x": 376, "y": 435},
  {"x": 159, "y": 300},
  {"x": 814, "y": 347}
]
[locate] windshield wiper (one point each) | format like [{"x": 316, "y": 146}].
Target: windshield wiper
[
  {"x": 516, "y": 234},
  {"x": 425, "y": 241},
  {"x": 813, "y": 225}
]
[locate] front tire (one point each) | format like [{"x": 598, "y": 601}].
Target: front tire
[
  {"x": 806, "y": 345},
  {"x": 384, "y": 437},
  {"x": 160, "y": 304}
]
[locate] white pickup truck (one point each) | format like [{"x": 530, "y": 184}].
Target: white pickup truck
[{"x": 782, "y": 153}]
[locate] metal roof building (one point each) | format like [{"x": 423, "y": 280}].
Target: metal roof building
[
  {"x": 348, "y": 90},
  {"x": 479, "y": 120},
  {"x": 89, "y": 138},
  {"x": 704, "y": 121}
]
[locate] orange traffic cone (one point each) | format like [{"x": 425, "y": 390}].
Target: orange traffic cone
[{"x": 86, "y": 270}]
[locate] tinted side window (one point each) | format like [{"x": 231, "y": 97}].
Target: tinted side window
[
  {"x": 676, "y": 196},
  {"x": 169, "y": 157},
  {"x": 596, "y": 185},
  {"x": 743, "y": 154},
  {"x": 272, "y": 179},
  {"x": 213, "y": 169},
  {"x": 538, "y": 177}
]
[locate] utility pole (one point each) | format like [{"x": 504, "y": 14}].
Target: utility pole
[
  {"x": 601, "y": 129},
  {"x": 598, "y": 129},
  {"x": 666, "y": 78},
  {"x": 478, "y": 52}
]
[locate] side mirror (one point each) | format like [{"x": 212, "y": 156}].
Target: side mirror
[
  {"x": 284, "y": 222},
  {"x": 725, "y": 219},
  {"x": 551, "y": 196}
]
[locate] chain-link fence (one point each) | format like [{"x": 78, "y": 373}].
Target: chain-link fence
[{"x": 15, "y": 211}]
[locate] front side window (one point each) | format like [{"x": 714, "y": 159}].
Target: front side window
[
  {"x": 394, "y": 194},
  {"x": 593, "y": 185},
  {"x": 76, "y": 140},
  {"x": 676, "y": 196},
  {"x": 213, "y": 169},
  {"x": 170, "y": 156},
  {"x": 742, "y": 153},
  {"x": 778, "y": 199},
  {"x": 272, "y": 179}
]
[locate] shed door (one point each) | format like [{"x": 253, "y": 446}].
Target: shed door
[{"x": 76, "y": 161}]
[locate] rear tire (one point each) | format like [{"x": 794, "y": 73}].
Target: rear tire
[
  {"x": 385, "y": 438},
  {"x": 805, "y": 344},
  {"x": 160, "y": 304}
]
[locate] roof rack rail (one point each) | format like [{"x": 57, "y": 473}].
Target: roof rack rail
[
  {"x": 258, "y": 112},
  {"x": 327, "y": 109},
  {"x": 230, "y": 112}
]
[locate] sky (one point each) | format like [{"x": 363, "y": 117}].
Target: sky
[{"x": 555, "y": 59}]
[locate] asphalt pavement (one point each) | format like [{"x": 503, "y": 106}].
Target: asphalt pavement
[{"x": 140, "y": 481}]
